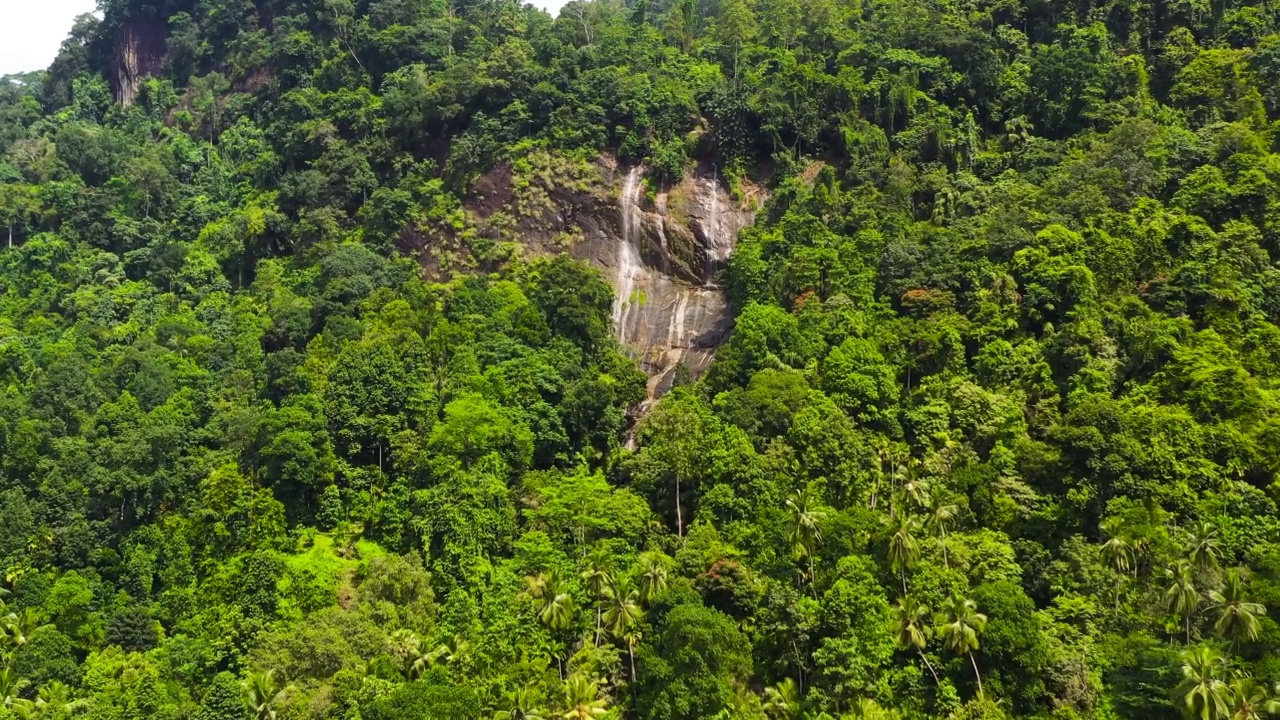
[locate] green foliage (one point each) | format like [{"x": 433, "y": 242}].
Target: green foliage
[
  {"x": 696, "y": 660},
  {"x": 310, "y": 407}
]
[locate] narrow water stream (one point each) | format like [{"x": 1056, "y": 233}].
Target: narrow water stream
[{"x": 626, "y": 296}]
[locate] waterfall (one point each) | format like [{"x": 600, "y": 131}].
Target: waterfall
[
  {"x": 629, "y": 267},
  {"x": 668, "y": 311},
  {"x": 675, "y": 331}
]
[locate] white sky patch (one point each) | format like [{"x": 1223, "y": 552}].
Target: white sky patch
[{"x": 31, "y": 31}]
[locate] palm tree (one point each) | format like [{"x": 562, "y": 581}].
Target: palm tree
[
  {"x": 10, "y": 687},
  {"x": 805, "y": 530},
  {"x": 910, "y": 630},
  {"x": 24, "y": 709},
  {"x": 782, "y": 701},
  {"x": 868, "y": 709},
  {"x": 914, "y": 487},
  {"x": 55, "y": 699},
  {"x": 1118, "y": 554},
  {"x": 262, "y": 693},
  {"x": 937, "y": 519},
  {"x": 1204, "y": 694},
  {"x": 623, "y": 614},
  {"x": 1181, "y": 596},
  {"x": 1247, "y": 699},
  {"x": 1205, "y": 547},
  {"x": 22, "y": 625},
  {"x": 521, "y": 705},
  {"x": 653, "y": 576},
  {"x": 555, "y": 610},
  {"x": 1237, "y": 618},
  {"x": 598, "y": 576},
  {"x": 960, "y": 628},
  {"x": 407, "y": 646},
  {"x": 449, "y": 651},
  {"x": 552, "y": 604},
  {"x": 904, "y": 549},
  {"x": 581, "y": 701}
]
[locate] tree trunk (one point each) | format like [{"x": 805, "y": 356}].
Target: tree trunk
[
  {"x": 929, "y": 665},
  {"x": 631, "y": 651},
  {"x": 679, "y": 516},
  {"x": 813, "y": 577},
  {"x": 976, "y": 674},
  {"x": 597, "y": 625}
]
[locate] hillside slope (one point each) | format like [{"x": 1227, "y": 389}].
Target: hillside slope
[{"x": 750, "y": 359}]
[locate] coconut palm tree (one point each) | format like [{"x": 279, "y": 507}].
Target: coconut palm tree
[
  {"x": 913, "y": 487},
  {"x": 24, "y": 709},
  {"x": 805, "y": 530},
  {"x": 1118, "y": 553},
  {"x": 581, "y": 699},
  {"x": 23, "y": 624},
  {"x": 623, "y": 614},
  {"x": 938, "y": 517},
  {"x": 408, "y": 648},
  {"x": 1205, "y": 548},
  {"x": 447, "y": 652},
  {"x": 1247, "y": 699},
  {"x": 961, "y": 625},
  {"x": 55, "y": 698},
  {"x": 521, "y": 705},
  {"x": 1237, "y": 617},
  {"x": 552, "y": 604},
  {"x": 904, "y": 549},
  {"x": 10, "y": 687},
  {"x": 1203, "y": 692},
  {"x": 868, "y": 709},
  {"x": 652, "y": 575},
  {"x": 782, "y": 701},
  {"x": 263, "y": 692},
  {"x": 1181, "y": 595},
  {"x": 597, "y": 574},
  {"x": 53, "y": 701},
  {"x": 910, "y": 629}
]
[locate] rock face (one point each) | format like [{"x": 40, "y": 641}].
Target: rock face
[
  {"x": 662, "y": 251},
  {"x": 663, "y": 255}
]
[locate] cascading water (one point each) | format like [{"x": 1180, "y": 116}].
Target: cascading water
[
  {"x": 629, "y": 266},
  {"x": 667, "y": 310}
]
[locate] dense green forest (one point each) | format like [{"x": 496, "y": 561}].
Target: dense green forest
[{"x": 288, "y": 429}]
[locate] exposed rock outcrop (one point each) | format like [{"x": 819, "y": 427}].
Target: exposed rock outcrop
[
  {"x": 139, "y": 53},
  {"x": 662, "y": 250},
  {"x": 663, "y": 258}
]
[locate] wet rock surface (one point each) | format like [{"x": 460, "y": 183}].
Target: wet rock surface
[
  {"x": 662, "y": 251},
  {"x": 663, "y": 257}
]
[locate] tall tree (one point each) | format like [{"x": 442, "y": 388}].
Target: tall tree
[
  {"x": 1203, "y": 691},
  {"x": 959, "y": 629},
  {"x": 806, "y": 532},
  {"x": 1238, "y": 618},
  {"x": 911, "y": 629},
  {"x": 904, "y": 548},
  {"x": 1181, "y": 595}
]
